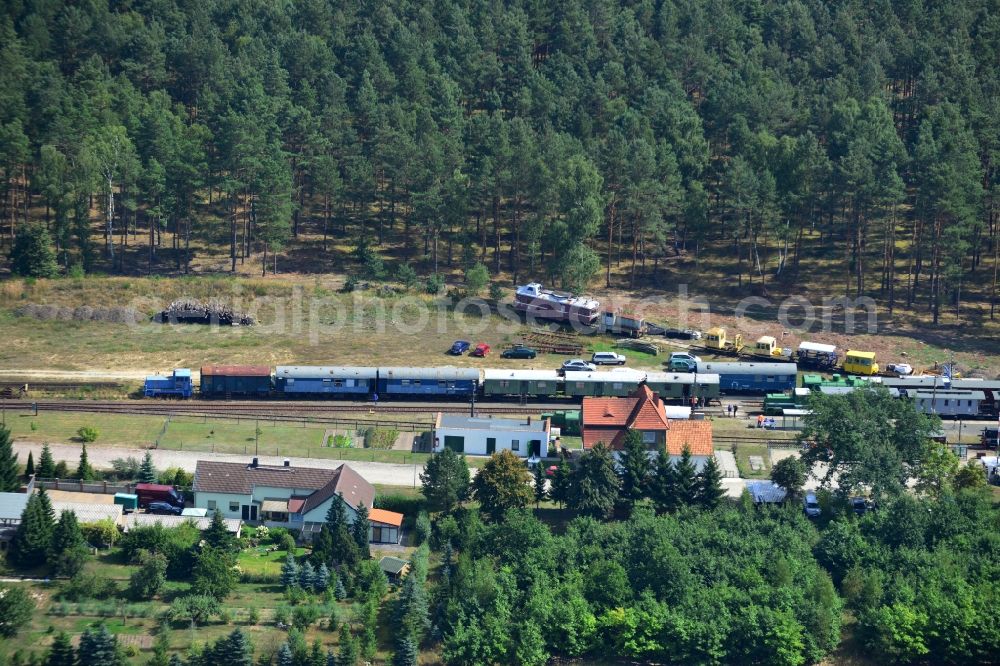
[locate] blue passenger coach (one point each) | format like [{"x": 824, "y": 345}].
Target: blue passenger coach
[
  {"x": 447, "y": 381},
  {"x": 324, "y": 379},
  {"x": 752, "y": 377}
]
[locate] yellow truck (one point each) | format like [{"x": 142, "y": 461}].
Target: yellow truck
[
  {"x": 716, "y": 341},
  {"x": 860, "y": 363}
]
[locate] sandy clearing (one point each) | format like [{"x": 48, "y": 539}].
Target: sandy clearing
[{"x": 94, "y": 375}]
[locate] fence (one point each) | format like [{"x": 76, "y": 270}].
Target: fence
[{"x": 79, "y": 486}]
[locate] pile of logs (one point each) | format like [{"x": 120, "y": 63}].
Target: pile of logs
[{"x": 191, "y": 311}]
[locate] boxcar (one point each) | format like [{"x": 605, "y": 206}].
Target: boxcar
[
  {"x": 683, "y": 385},
  {"x": 324, "y": 380},
  {"x": 220, "y": 381},
  {"x": 752, "y": 377},
  {"x": 532, "y": 383},
  {"x": 176, "y": 385},
  {"x": 443, "y": 381},
  {"x": 620, "y": 382}
]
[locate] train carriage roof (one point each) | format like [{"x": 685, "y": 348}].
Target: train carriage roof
[
  {"x": 737, "y": 368},
  {"x": 681, "y": 378},
  {"x": 603, "y": 376},
  {"x": 445, "y": 373},
  {"x": 498, "y": 374},
  {"x": 323, "y": 372},
  {"x": 975, "y": 383},
  {"x": 236, "y": 370},
  {"x": 949, "y": 395}
]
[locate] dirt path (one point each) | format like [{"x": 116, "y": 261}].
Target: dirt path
[{"x": 79, "y": 375}]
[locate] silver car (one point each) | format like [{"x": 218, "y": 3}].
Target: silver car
[
  {"x": 578, "y": 365},
  {"x": 811, "y": 505}
]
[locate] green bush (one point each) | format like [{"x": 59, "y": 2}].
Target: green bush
[
  {"x": 404, "y": 504},
  {"x": 88, "y": 434}
]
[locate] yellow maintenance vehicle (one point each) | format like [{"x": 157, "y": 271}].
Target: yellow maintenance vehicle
[
  {"x": 717, "y": 343},
  {"x": 767, "y": 347},
  {"x": 860, "y": 363}
]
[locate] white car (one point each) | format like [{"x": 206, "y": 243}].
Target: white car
[
  {"x": 578, "y": 365},
  {"x": 608, "y": 358}
]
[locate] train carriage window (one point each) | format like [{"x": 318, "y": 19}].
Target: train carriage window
[
  {"x": 579, "y": 385},
  {"x": 504, "y": 383},
  {"x": 327, "y": 381},
  {"x": 758, "y": 378},
  {"x": 416, "y": 382},
  {"x": 290, "y": 381},
  {"x": 541, "y": 385},
  {"x": 616, "y": 385},
  {"x": 405, "y": 382},
  {"x": 946, "y": 401},
  {"x": 338, "y": 383}
]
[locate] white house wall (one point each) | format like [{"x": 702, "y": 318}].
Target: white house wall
[{"x": 475, "y": 440}]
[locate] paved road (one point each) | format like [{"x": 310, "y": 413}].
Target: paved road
[{"x": 389, "y": 474}]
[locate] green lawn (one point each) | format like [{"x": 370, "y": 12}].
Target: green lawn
[
  {"x": 61, "y": 427},
  {"x": 743, "y": 453},
  {"x": 261, "y": 562}
]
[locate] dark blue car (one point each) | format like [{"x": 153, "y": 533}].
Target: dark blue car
[{"x": 459, "y": 348}]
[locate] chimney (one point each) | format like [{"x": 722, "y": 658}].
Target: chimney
[
  {"x": 288, "y": 463},
  {"x": 255, "y": 463}
]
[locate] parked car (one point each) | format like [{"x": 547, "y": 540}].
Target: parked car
[
  {"x": 608, "y": 358},
  {"x": 860, "y": 505},
  {"x": 682, "y": 334},
  {"x": 519, "y": 351},
  {"x": 164, "y": 508},
  {"x": 811, "y": 505},
  {"x": 682, "y": 362},
  {"x": 577, "y": 365},
  {"x": 459, "y": 348},
  {"x": 481, "y": 350}
]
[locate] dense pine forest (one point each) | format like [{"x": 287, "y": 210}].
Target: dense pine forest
[{"x": 569, "y": 141}]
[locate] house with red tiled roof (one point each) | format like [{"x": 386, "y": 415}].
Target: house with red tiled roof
[{"x": 608, "y": 419}]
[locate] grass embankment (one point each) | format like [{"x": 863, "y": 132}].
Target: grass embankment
[{"x": 298, "y": 440}]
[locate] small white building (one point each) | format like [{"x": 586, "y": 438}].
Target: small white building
[{"x": 484, "y": 435}]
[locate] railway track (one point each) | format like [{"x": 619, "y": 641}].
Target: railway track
[{"x": 266, "y": 410}]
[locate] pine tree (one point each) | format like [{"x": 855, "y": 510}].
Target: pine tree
[
  {"x": 687, "y": 479},
  {"x": 663, "y": 484},
  {"x": 407, "y": 653},
  {"x": 333, "y": 619},
  {"x": 307, "y": 576},
  {"x": 32, "y": 254},
  {"x": 539, "y": 485},
  {"x": 595, "y": 483},
  {"x": 322, "y": 546},
  {"x": 336, "y": 516},
  {"x": 29, "y": 468},
  {"x": 10, "y": 473},
  {"x": 175, "y": 660},
  {"x": 290, "y": 572},
  {"x": 633, "y": 468},
  {"x": 316, "y": 657},
  {"x": 339, "y": 591},
  {"x": 322, "y": 578},
  {"x": 331, "y": 659},
  {"x": 99, "y": 648},
  {"x": 710, "y": 490},
  {"x": 84, "y": 471},
  {"x": 217, "y": 535},
  {"x": 347, "y": 655},
  {"x": 67, "y": 552},
  {"x": 562, "y": 482},
  {"x": 147, "y": 473},
  {"x": 161, "y": 648},
  {"x": 61, "y": 653},
  {"x": 360, "y": 529},
  {"x": 33, "y": 536},
  {"x": 46, "y": 464},
  {"x": 285, "y": 656},
  {"x": 238, "y": 649}
]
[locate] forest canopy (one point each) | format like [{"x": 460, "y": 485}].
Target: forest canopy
[{"x": 542, "y": 139}]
